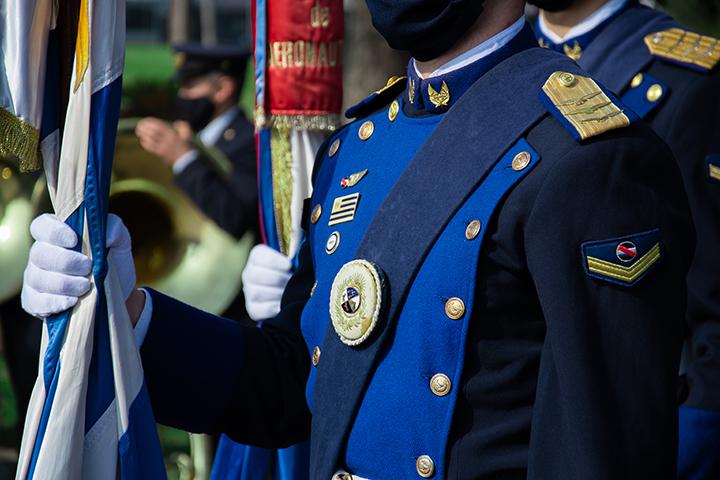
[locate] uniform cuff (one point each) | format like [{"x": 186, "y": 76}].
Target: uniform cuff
[
  {"x": 143, "y": 323},
  {"x": 183, "y": 162}
]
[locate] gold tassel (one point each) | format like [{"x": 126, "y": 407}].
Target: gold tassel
[
  {"x": 325, "y": 123},
  {"x": 21, "y": 140},
  {"x": 282, "y": 185}
]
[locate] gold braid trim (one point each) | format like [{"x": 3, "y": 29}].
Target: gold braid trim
[
  {"x": 325, "y": 123},
  {"x": 282, "y": 179},
  {"x": 21, "y": 140}
]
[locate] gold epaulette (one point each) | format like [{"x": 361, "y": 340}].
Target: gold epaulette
[
  {"x": 378, "y": 98},
  {"x": 688, "y": 48},
  {"x": 582, "y": 106},
  {"x": 392, "y": 81}
]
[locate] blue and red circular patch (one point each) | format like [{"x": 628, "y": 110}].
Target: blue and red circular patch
[{"x": 626, "y": 252}]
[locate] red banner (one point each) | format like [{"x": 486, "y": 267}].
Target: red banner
[{"x": 304, "y": 57}]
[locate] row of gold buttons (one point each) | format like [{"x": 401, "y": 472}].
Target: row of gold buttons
[{"x": 654, "y": 93}]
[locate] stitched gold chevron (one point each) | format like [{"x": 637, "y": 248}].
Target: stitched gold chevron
[
  {"x": 583, "y": 103},
  {"x": 622, "y": 273},
  {"x": 685, "y": 47},
  {"x": 714, "y": 172}
]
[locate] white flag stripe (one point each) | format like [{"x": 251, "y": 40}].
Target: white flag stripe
[
  {"x": 61, "y": 453},
  {"x": 304, "y": 145},
  {"x": 126, "y": 357}
]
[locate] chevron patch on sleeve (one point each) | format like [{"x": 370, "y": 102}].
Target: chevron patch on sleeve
[{"x": 625, "y": 260}]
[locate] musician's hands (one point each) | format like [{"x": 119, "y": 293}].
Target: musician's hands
[
  {"x": 57, "y": 276},
  {"x": 264, "y": 279},
  {"x": 168, "y": 142}
]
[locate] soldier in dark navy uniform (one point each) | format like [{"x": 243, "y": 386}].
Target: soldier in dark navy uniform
[
  {"x": 210, "y": 83},
  {"x": 492, "y": 285},
  {"x": 670, "y": 77}
]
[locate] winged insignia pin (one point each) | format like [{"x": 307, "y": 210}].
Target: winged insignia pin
[{"x": 441, "y": 98}]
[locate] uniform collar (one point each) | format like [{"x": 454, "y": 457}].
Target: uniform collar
[
  {"x": 438, "y": 92},
  {"x": 214, "y": 130},
  {"x": 581, "y": 35}
]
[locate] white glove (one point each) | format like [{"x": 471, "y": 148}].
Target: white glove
[
  {"x": 264, "y": 279},
  {"x": 56, "y": 276}
]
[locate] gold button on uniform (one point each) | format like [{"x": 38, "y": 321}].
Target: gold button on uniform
[
  {"x": 455, "y": 308},
  {"x": 229, "y": 134},
  {"x": 316, "y": 356},
  {"x": 394, "y": 110},
  {"x": 567, "y": 79},
  {"x": 637, "y": 80},
  {"x": 334, "y": 147},
  {"x": 654, "y": 93},
  {"x": 366, "y": 130},
  {"x": 425, "y": 466},
  {"x": 316, "y": 213},
  {"x": 521, "y": 161},
  {"x": 440, "y": 384},
  {"x": 473, "y": 230}
]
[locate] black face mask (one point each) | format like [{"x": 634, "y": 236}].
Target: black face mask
[
  {"x": 552, "y": 5},
  {"x": 425, "y": 28},
  {"x": 196, "y": 111}
]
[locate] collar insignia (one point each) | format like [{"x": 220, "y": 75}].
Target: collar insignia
[
  {"x": 411, "y": 91},
  {"x": 441, "y": 98},
  {"x": 574, "y": 52},
  {"x": 543, "y": 43}
]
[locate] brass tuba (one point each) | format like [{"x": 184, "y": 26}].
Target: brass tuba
[
  {"x": 22, "y": 197},
  {"x": 176, "y": 248}
]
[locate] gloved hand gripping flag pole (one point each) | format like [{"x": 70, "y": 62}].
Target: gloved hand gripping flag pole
[{"x": 89, "y": 416}]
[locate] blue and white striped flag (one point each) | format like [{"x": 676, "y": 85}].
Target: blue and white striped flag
[{"x": 90, "y": 415}]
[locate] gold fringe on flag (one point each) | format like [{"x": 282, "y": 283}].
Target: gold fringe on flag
[
  {"x": 20, "y": 140},
  {"x": 323, "y": 123}
]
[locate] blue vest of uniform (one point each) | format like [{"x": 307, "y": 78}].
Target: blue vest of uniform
[{"x": 385, "y": 414}]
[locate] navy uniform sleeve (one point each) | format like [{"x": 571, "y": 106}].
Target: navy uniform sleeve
[
  {"x": 606, "y": 395},
  {"x": 232, "y": 204},
  {"x": 696, "y": 144},
  {"x": 208, "y": 374},
  {"x": 694, "y": 136}
]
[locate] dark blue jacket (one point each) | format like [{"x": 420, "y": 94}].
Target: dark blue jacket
[
  {"x": 555, "y": 319},
  {"x": 231, "y": 203},
  {"x": 680, "y": 99}
]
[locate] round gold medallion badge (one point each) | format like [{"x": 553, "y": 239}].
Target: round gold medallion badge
[{"x": 355, "y": 301}]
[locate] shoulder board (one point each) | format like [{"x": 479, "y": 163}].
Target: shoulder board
[
  {"x": 378, "y": 99},
  {"x": 689, "y": 49},
  {"x": 582, "y": 106}
]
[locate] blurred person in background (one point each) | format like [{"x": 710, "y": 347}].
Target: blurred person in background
[
  {"x": 224, "y": 189},
  {"x": 669, "y": 76},
  {"x": 210, "y": 80}
]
